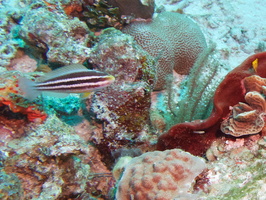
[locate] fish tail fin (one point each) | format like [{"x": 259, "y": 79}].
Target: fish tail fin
[{"x": 27, "y": 87}]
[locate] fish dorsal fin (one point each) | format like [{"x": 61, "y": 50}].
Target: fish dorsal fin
[{"x": 69, "y": 69}]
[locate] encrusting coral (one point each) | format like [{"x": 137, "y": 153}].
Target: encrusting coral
[
  {"x": 10, "y": 95},
  {"x": 172, "y": 38},
  {"x": 123, "y": 106},
  {"x": 158, "y": 175},
  {"x": 10, "y": 186},
  {"x": 64, "y": 39},
  {"x": 9, "y": 41},
  {"x": 51, "y": 161},
  {"x": 245, "y": 119}
]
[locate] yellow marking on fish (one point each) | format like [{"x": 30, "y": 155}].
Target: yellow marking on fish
[
  {"x": 255, "y": 64},
  {"x": 85, "y": 95}
]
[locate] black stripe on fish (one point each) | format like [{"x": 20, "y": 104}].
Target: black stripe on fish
[
  {"x": 75, "y": 83},
  {"x": 73, "y": 78},
  {"x": 87, "y": 73}
]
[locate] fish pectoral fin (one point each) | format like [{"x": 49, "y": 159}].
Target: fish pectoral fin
[{"x": 85, "y": 95}]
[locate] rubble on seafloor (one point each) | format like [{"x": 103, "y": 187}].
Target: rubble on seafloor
[
  {"x": 53, "y": 162},
  {"x": 103, "y": 147},
  {"x": 236, "y": 169}
]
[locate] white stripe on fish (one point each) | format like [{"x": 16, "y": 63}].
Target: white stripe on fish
[{"x": 69, "y": 79}]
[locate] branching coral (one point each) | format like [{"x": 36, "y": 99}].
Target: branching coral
[
  {"x": 245, "y": 119},
  {"x": 159, "y": 175},
  {"x": 172, "y": 38}
]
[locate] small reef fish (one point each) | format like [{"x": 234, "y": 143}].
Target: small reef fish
[{"x": 73, "y": 78}]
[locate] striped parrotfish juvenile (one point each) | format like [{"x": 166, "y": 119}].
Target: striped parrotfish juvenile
[{"x": 73, "y": 78}]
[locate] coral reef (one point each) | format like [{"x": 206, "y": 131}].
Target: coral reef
[
  {"x": 8, "y": 35},
  {"x": 124, "y": 106},
  {"x": 64, "y": 108},
  {"x": 22, "y": 63},
  {"x": 195, "y": 100},
  {"x": 245, "y": 119},
  {"x": 10, "y": 96},
  {"x": 172, "y": 38},
  {"x": 137, "y": 8},
  {"x": 51, "y": 161},
  {"x": 98, "y": 14},
  {"x": 43, "y": 157},
  {"x": 196, "y": 136},
  {"x": 10, "y": 186},
  {"x": 64, "y": 39},
  {"x": 236, "y": 169},
  {"x": 159, "y": 175}
]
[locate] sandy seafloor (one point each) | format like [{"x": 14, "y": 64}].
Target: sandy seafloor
[{"x": 238, "y": 28}]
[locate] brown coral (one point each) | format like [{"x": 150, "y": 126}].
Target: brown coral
[
  {"x": 123, "y": 106},
  {"x": 248, "y": 118},
  {"x": 159, "y": 175},
  {"x": 51, "y": 161},
  {"x": 137, "y": 8},
  {"x": 172, "y": 38}
]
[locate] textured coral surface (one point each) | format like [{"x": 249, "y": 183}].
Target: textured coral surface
[
  {"x": 10, "y": 96},
  {"x": 41, "y": 157},
  {"x": 172, "y": 38},
  {"x": 63, "y": 38},
  {"x": 236, "y": 169},
  {"x": 49, "y": 157},
  {"x": 248, "y": 118},
  {"x": 188, "y": 135},
  {"x": 159, "y": 175},
  {"x": 124, "y": 106}
]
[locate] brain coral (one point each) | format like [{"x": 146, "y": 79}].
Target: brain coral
[
  {"x": 173, "y": 38},
  {"x": 160, "y": 175},
  {"x": 248, "y": 118}
]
